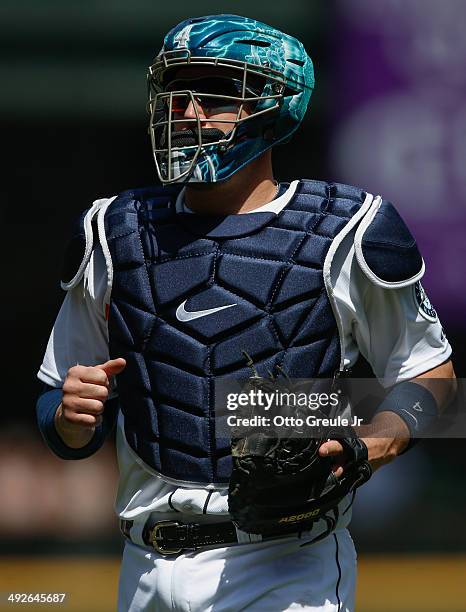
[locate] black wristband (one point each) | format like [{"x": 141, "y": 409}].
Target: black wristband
[{"x": 415, "y": 405}]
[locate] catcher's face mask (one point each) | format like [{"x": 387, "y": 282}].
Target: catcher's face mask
[
  {"x": 223, "y": 90},
  {"x": 196, "y": 111}
]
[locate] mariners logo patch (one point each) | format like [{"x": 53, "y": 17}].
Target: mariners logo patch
[{"x": 425, "y": 307}]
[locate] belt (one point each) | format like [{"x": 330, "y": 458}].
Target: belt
[{"x": 173, "y": 537}]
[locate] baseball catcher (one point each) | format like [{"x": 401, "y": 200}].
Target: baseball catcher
[{"x": 167, "y": 284}]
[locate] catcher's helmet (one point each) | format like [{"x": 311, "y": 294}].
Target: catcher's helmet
[{"x": 264, "y": 70}]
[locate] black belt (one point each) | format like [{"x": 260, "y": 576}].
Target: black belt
[{"x": 172, "y": 537}]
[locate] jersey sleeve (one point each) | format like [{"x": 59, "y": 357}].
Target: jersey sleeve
[
  {"x": 79, "y": 335},
  {"x": 396, "y": 330}
]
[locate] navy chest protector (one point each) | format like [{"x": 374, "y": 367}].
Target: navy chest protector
[{"x": 191, "y": 292}]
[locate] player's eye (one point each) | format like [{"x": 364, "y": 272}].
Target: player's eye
[
  {"x": 180, "y": 103},
  {"x": 209, "y": 105}
]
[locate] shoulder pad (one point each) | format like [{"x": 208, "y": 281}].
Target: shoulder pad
[
  {"x": 332, "y": 191},
  {"x": 385, "y": 248},
  {"x": 155, "y": 195},
  {"x": 150, "y": 202},
  {"x": 85, "y": 233}
]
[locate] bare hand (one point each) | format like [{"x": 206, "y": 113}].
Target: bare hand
[
  {"x": 385, "y": 438},
  {"x": 85, "y": 391}
]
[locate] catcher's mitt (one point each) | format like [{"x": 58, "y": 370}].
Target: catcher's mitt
[{"x": 281, "y": 484}]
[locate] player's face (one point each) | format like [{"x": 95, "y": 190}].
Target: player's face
[
  {"x": 213, "y": 112},
  {"x": 220, "y": 117}
]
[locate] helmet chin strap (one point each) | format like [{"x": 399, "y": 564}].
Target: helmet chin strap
[{"x": 190, "y": 137}]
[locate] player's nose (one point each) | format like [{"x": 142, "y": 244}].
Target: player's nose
[{"x": 190, "y": 111}]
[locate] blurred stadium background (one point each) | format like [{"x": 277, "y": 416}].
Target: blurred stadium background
[{"x": 388, "y": 114}]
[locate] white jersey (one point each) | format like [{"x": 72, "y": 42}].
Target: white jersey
[{"x": 386, "y": 326}]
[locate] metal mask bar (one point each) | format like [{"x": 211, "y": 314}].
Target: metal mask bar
[{"x": 182, "y": 58}]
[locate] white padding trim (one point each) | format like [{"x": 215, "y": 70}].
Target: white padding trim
[
  {"x": 105, "y": 250},
  {"x": 336, "y": 242},
  {"x": 362, "y": 261},
  {"x": 88, "y": 219}
]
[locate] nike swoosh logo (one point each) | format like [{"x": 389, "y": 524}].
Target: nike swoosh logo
[{"x": 183, "y": 315}]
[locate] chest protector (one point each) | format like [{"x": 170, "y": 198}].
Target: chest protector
[{"x": 191, "y": 292}]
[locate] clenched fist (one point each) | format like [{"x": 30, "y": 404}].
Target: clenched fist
[{"x": 85, "y": 391}]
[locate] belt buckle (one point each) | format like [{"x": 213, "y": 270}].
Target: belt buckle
[{"x": 154, "y": 537}]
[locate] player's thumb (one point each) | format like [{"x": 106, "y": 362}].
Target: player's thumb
[{"x": 113, "y": 366}]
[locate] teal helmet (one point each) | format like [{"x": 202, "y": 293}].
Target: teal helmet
[{"x": 225, "y": 62}]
